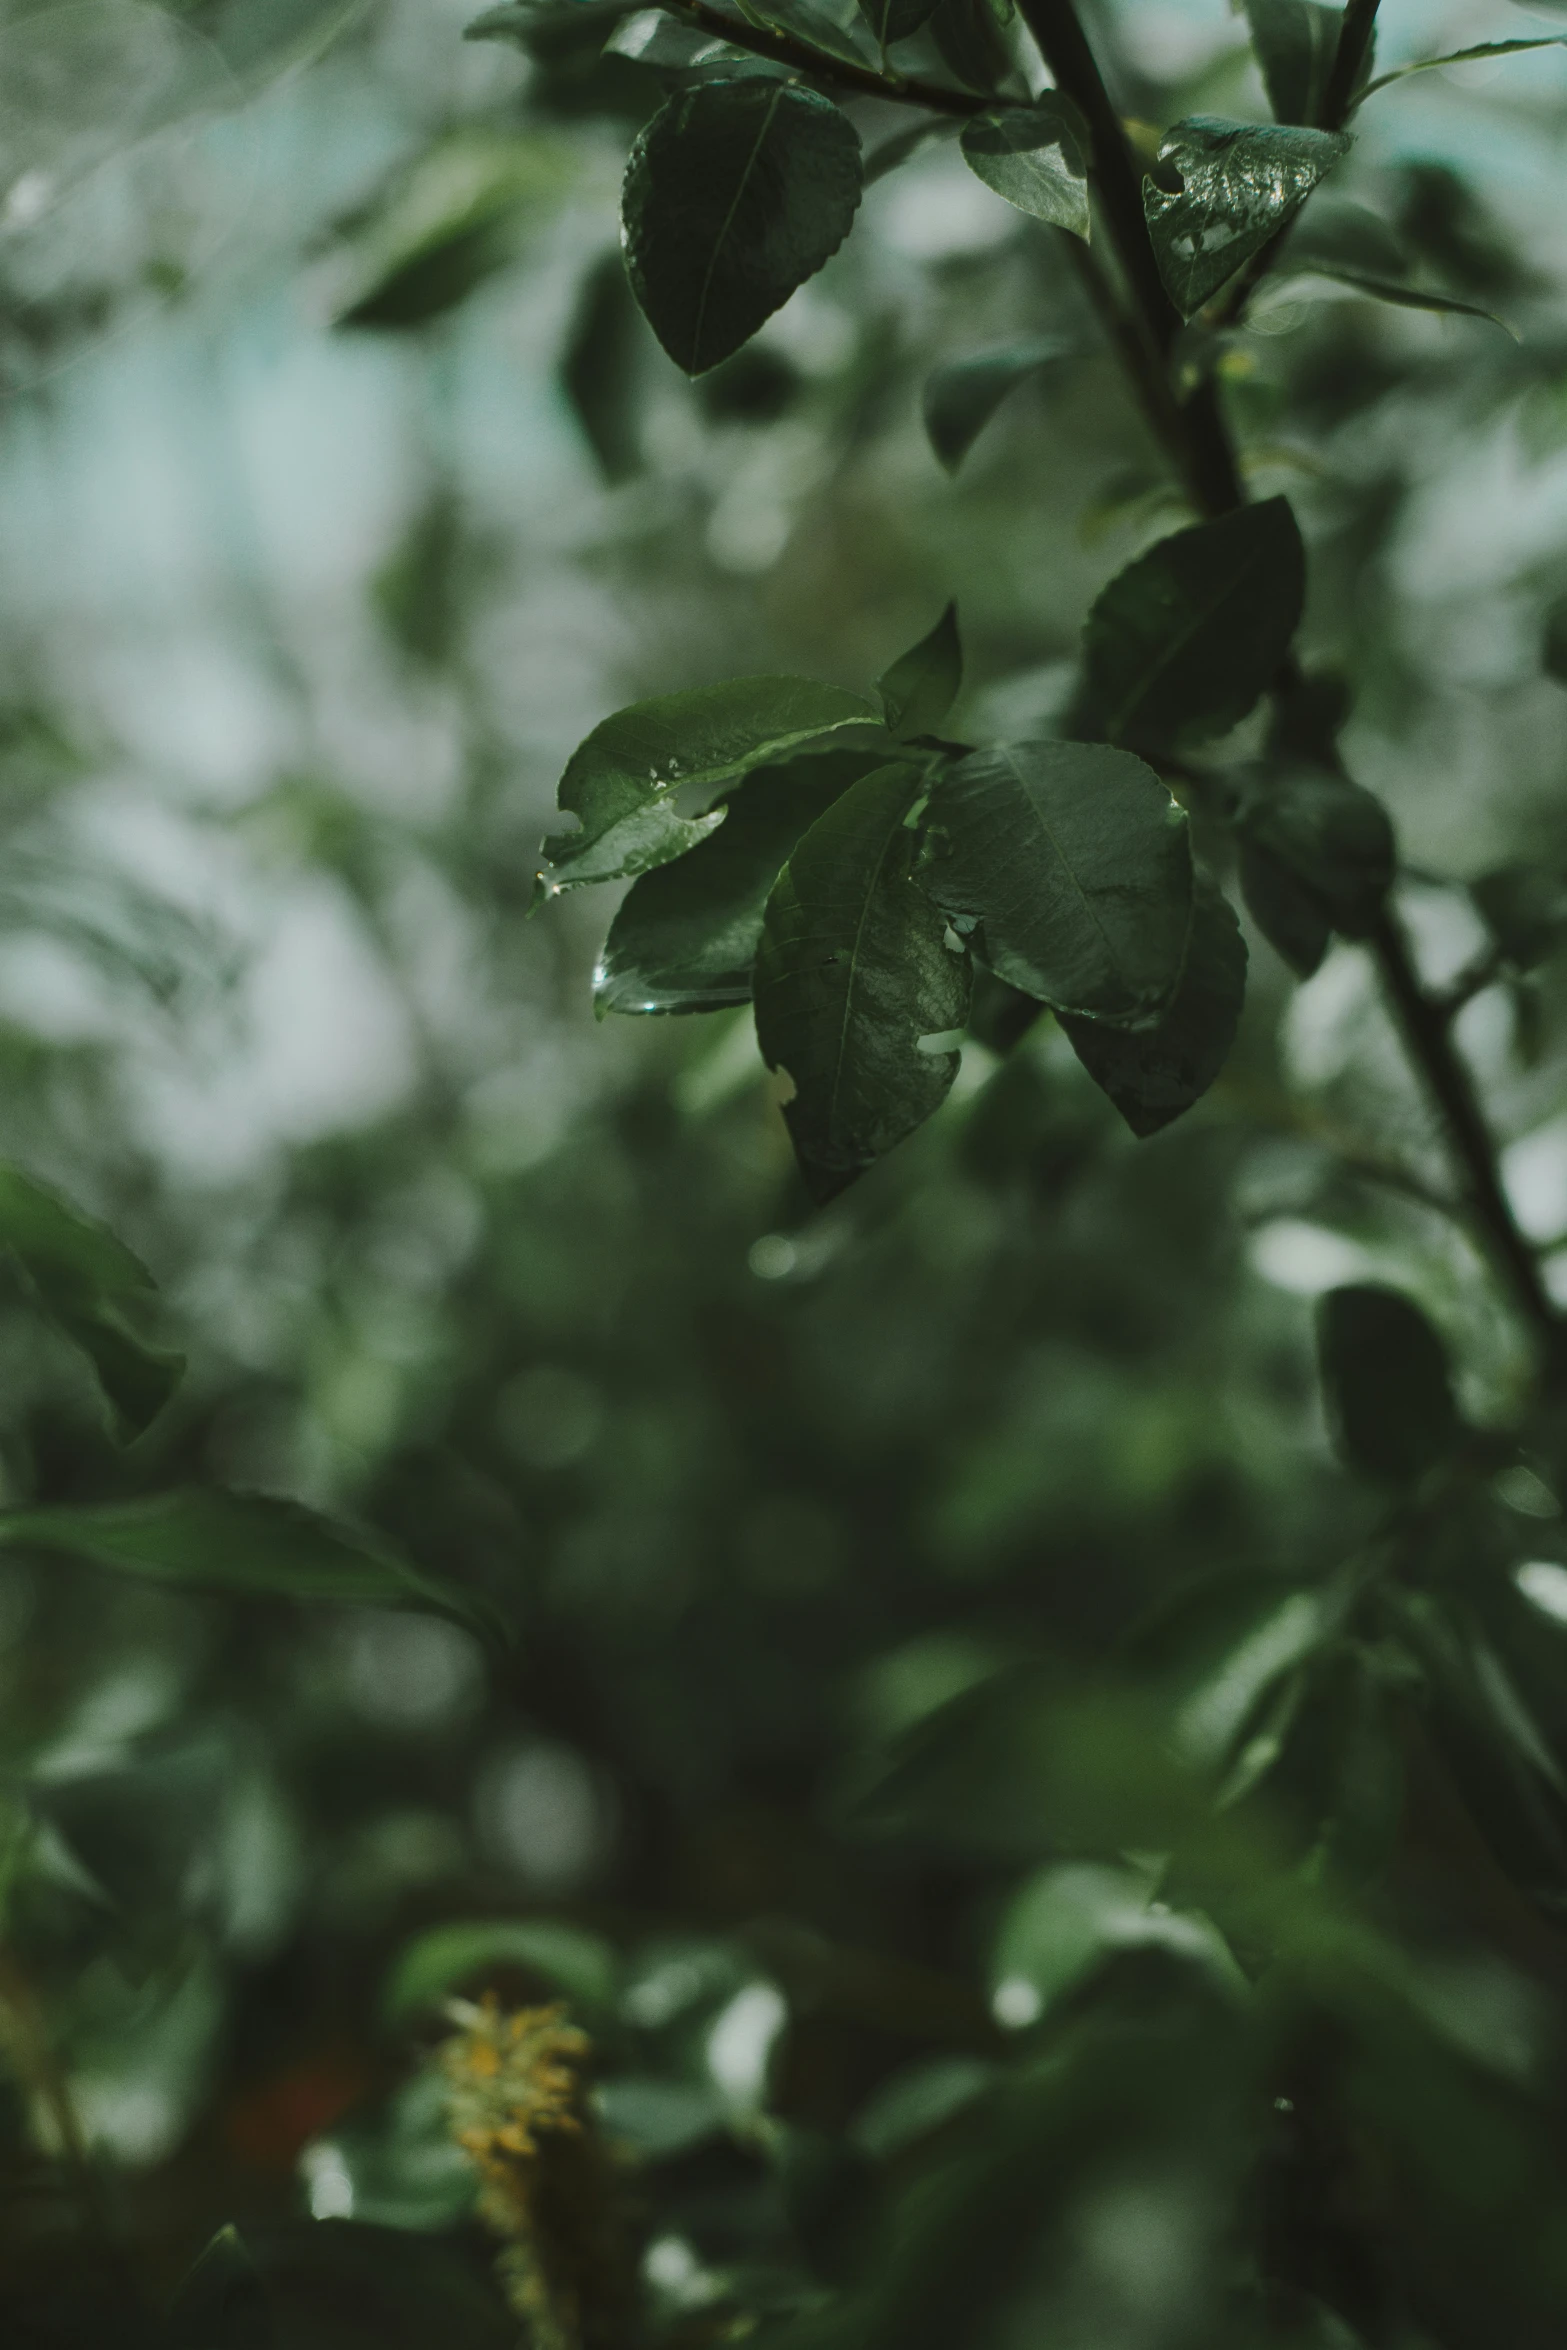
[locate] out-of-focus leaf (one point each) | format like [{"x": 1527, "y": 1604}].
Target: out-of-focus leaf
[
  {"x": 853, "y": 980},
  {"x": 1296, "y": 42},
  {"x": 1332, "y": 234},
  {"x": 454, "y": 222},
  {"x": 397, "y": 2166},
  {"x": 337, "y": 2284},
  {"x": 1553, "y": 639},
  {"x": 1473, "y": 56},
  {"x": 1070, "y": 865},
  {"x": 922, "y": 685},
  {"x": 222, "y": 2304},
  {"x": 622, "y": 781},
  {"x": 1182, "y": 644},
  {"x": 1153, "y": 1074},
  {"x": 581, "y": 1965},
  {"x": 972, "y": 45},
  {"x": 685, "y": 936},
  {"x": 1317, "y": 855},
  {"x": 1386, "y": 1380},
  {"x": 919, "y": 2099},
  {"x": 904, "y": 145},
  {"x": 1240, "y": 184},
  {"x": 657, "y": 2118},
  {"x": 245, "y": 1543},
  {"x": 1524, "y": 907},
  {"x": 1037, "y": 157},
  {"x": 962, "y": 395},
  {"x": 1404, "y": 296},
  {"x": 598, "y": 368},
  {"x": 736, "y": 193},
  {"x": 895, "y": 20},
  {"x": 83, "y": 1276},
  {"x": 1068, "y": 1921}
]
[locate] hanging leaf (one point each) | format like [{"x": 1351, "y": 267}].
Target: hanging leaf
[
  {"x": 972, "y": 45},
  {"x": 1328, "y": 840},
  {"x": 1037, "y": 157},
  {"x": 1296, "y": 42},
  {"x": 1240, "y": 184},
  {"x": 961, "y": 397},
  {"x": 736, "y": 193},
  {"x": 1290, "y": 918},
  {"x": 1069, "y": 863},
  {"x": 1153, "y": 1074},
  {"x": 853, "y": 979},
  {"x": 686, "y": 936},
  {"x": 83, "y": 1278},
  {"x": 249, "y": 1543},
  {"x": 454, "y": 222},
  {"x": 1182, "y": 644},
  {"x": 918, "y": 690},
  {"x": 1386, "y": 1381},
  {"x": 622, "y": 781}
]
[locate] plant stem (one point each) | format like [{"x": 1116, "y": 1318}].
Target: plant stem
[
  {"x": 1207, "y": 459},
  {"x": 1349, "y": 59},
  {"x": 26, "y": 2037}
]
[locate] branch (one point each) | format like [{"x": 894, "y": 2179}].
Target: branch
[{"x": 1349, "y": 62}]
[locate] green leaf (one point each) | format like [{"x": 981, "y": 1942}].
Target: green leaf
[
  {"x": 1553, "y": 640},
  {"x": 1403, "y": 296},
  {"x": 598, "y": 368},
  {"x": 581, "y": 1965},
  {"x": 1328, "y": 838},
  {"x": 222, "y": 2304},
  {"x": 685, "y": 937},
  {"x": 1385, "y": 1378},
  {"x": 1482, "y": 49},
  {"x": 1296, "y": 42},
  {"x": 622, "y": 781},
  {"x": 82, "y": 1276},
  {"x": 1153, "y": 1074},
  {"x": 1331, "y": 234},
  {"x": 1037, "y": 157},
  {"x": 920, "y": 688},
  {"x": 905, "y": 144},
  {"x": 1240, "y": 184},
  {"x": 1070, "y": 864},
  {"x": 1290, "y": 918},
  {"x": 972, "y": 45},
  {"x": 1183, "y": 643},
  {"x": 209, "y": 1539},
  {"x": 813, "y": 27},
  {"x": 1067, "y": 1922},
  {"x": 452, "y": 223},
  {"x": 895, "y": 20},
  {"x": 1524, "y": 907},
  {"x": 736, "y": 193},
  {"x": 963, "y": 395},
  {"x": 853, "y": 978}
]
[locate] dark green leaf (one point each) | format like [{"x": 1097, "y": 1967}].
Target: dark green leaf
[
  {"x": 670, "y": 45},
  {"x": 905, "y": 144},
  {"x": 1070, "y": 863},
  {"x": 623, "y": 780},
  {"x": 685, "y": 937},
  {"x": 1403, "y": 296},
  {"x": 1482, "y": 50},
  {"x": 971, "y": 43},
  {"x": 1525, "y": 909},
  {"x": 597, "y": 368},
  {"x": 1181, "y": 645},
  {"x": 735, "y": 194},
  {"x": 1296, "y": 42},
  {"x": 453, "y": 223},
  {"x": 813, "y": 27},
  {"x": 1153, "y": 1074},
  {"x": 853, "y": 979},
  {"x": 1289, "y": 916},
  {"x": 1553, "y": 640},
  {"x": 963, "y": 395},
  {"x": 1240, "y": 184},
  {"x": 253, "y": 1543},
  {"x": 1385, "y": 1378},
  {"x": 895, "y": 20},
  {"x": 1332, "y": 839},
  {"x": 1037, "y": 157},
  {"x": 83, "y": 1276},
  {"x": 222, "y": 2305},
  {"x": 919, "y": 690},
  {"x": 568, "y": 1958}
]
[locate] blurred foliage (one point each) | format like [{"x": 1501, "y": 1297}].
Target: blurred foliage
[{"x": 1045, "y": 1796}]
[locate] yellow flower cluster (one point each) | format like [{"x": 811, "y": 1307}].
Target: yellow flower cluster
[{"x": 511, "y": 2077}]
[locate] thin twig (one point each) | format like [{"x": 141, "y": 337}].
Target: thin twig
[{"x": 1349, "y": 59}]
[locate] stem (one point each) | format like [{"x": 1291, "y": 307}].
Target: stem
[
  {"x": 1207, "y": 459},
  {"x": 785, "y": 49},
  {"x": 1349, "y": 61},
  {"x": 25, "y": 2034}
]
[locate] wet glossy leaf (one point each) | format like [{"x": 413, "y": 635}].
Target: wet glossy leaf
[
  {"x": 1329, "y": 840},
  {"x": 245, "y": 1543},
  {"x": 1183, "y": 643},
  {"x": 1386, "y": 1381},
  {"x": 1069, "y": 864},
  {"x": 962, "y": 396},
  {"x": 685, "y": 937},
  {"x": 1240, "y": 184},
  {"x": 736, "y": 193},
  {"x": 853, "y": 977},
  {"x": 83, "y": 1277},
  {"x": 623, "y": 780},
  {"x": 921, "y": 687},
  {"x": 1037, "y": 157},
  {"x": 1296, "y": 42},
  {"x": 1153, "y": 1074}
]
